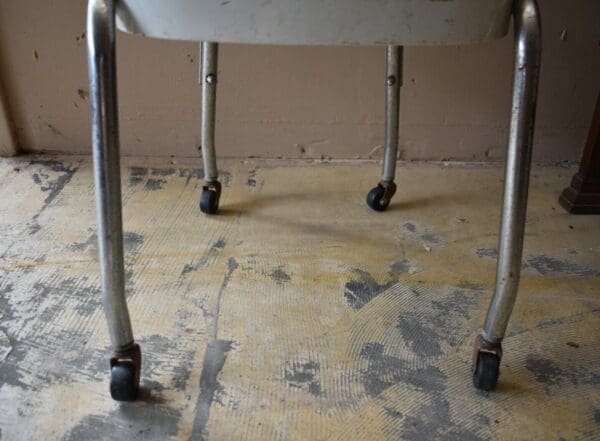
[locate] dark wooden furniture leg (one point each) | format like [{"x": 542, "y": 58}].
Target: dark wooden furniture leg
[{"x": 583, "y": 196}]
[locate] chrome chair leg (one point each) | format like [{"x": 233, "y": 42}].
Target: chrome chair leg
[
  {"x": 488, "y": 350},
  {"x": 211, "y": 191},
  {"x": 125, "y": 362},
  {"x": 379, "y": 197}
]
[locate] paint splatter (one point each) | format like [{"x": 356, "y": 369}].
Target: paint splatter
[
  {"x": 385, "y": 370},
  {"x": 304, "y": 376},
  {"x": 551, "y": 265},
  {"x": 363, "y": 289},
  {"x": 214, "y": 360},
  {"x": 280, "y": 276},
  {"x": 54, "y": 182},
  {"x": 491, "y": 253},
  {"x": 154, "y": 184}
]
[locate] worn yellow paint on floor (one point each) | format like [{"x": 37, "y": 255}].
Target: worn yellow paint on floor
[{"x": 306, "y": 315}]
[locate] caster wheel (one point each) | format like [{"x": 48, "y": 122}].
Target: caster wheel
[
  {"x": 208, "y": 201},
  {"x": 124, "y": 381},
  {"x": 375, "y": 199},
  {"x": 487, "y": 371}
]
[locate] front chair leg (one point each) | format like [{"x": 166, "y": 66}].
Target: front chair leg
[
  {"x": 488, "y": 350},
  {"x": 211, "y": 191},
  {"x": 125, "y": 362}
]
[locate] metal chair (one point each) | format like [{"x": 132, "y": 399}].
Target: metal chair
[{"x": 389, "y": 22}]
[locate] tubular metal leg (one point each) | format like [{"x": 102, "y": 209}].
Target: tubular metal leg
[
  {"x": 126, "y": 360},
  {"x": 518, "y": 161},
  {"x": 393, "y": 82},
  {"x": 211, "y": 191},
  {"x": 379, "y": 197}
]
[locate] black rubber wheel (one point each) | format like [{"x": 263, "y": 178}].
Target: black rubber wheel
[
  {"x": 487, "y": 372},
  {"x": 123, "y": 381},
  {"x": 374, "y": 199},
  {"x": 208, "y": 202}
]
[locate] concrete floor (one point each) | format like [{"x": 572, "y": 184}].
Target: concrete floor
[{"x": 298, "y": 313}]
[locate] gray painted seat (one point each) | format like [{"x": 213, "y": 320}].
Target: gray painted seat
[{"x": 354, "y": 22}]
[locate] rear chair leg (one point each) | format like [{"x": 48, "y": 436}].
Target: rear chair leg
[
  {"x": 211, "y": 191},
  {"x": 125, "y": 362},
  {"x": 379, "y": 197},
  {"x": 488, "y": 350}
]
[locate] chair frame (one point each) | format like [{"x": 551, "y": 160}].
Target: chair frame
[{"x": 125, "y": 361}]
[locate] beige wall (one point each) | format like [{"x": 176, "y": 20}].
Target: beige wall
[{"x": 296, "y": 101}]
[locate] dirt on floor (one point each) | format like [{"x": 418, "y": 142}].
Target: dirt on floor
[{"x": 297, "y": 313}]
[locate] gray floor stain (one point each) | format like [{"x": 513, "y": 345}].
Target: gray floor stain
[
  {"x": 384, "y": 371},
  {"x": 10, "y": 362},
  {"x": 431, "y": 238},
  {"x": 433, "y": 421},
  {"x": 545, "y": 371},
  {"x": 549, "y": 373},
  {"x": 214, "y": 360},
  {"x": 48, "y": 181},
  {"x": 81, "y": 246},
  {"x": 435, "y": 327},
  {"x": 10, "y": 370},
  {"x": 551, "y": 265},
  {"x": 131, "y": 243},
  {"x": 219, "y": 244},
  {"x": 46, "y": 304},
  {"x": 464, "y": 284},
  {"x": 410, "y": 227},
  {"x": 401, "y": 267},
  {"x": 422, "y": 339},
  {"x": 34, "y": 227},
  {"x": 5, "y": 346},
  {"x": 364, "y": 288},
  {"x": 426, "y": 236},
  {"x": 53, "y": 185},
  {"x": 304, "y": 376},
  {"x": 129, "y": 421},
  {"x": 204, "y": 259},
  {"x": 191, "y": 267},
  {"x": 153, "y": 184},
  {"x": 392, "y": 412},
  {"x": 212, "y": 364},
  {"x": 191, "y": 173},
  {"x": 487, "y": 252},
  {"x": 544, "y": 265},
  {"x": 137, "y": 175},
  {"x": 483, "y": 419},
  {"x": 182, "y": 371},
  {"x": 280, "y": 276},
  {"x": 251, "y": 181},
  {"x": 162, "y": 171},
  {"x": 156, "y": 177}
]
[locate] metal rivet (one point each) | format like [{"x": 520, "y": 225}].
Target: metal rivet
[
  {"x": 391, "y": 80},
  {"x": 211, "y": 78}
]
